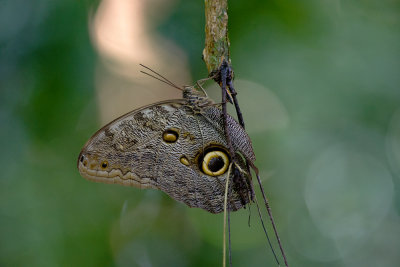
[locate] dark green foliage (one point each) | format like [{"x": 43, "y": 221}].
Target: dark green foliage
[{"x": 327, "y": 74}]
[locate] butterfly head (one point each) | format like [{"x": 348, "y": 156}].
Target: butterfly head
[{"x": 196, "y": 99}]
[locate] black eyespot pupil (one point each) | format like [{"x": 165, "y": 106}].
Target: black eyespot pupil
[
  {"x": 216, "y": 164},
  {"x": 82, "y": 159},
  {"x": 104, "y": 165}
]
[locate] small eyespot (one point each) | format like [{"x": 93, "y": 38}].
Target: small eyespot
[
  {"x": 215, "y": 163},
  {"x": 104, "y": 164},
  {"x": 170, "y": 135},
  {"x": 184, "y": 161},
  {"x": 82, "y": 158}
]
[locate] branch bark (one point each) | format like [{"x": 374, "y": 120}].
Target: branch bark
[{"x": 216, "y": 48}]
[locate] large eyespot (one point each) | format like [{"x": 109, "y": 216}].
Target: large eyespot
[
  {"x": 215, "y": 163},
  {"x": 170, "y": 135},
  {"x": 104, "y": 164}
]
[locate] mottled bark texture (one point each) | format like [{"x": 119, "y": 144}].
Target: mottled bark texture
[{"x": 216, "y": 48}]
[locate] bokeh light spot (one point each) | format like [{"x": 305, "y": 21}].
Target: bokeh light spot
[{"x": 348, "y": 193}]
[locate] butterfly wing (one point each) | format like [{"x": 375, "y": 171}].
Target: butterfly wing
[{"x": 163, "y": 146}]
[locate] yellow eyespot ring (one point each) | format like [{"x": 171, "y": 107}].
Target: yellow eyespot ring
[
  {"x": 215, "y": 163},
  {"x": 104, "y": 165},
  {"x": 170, "y": 136}
]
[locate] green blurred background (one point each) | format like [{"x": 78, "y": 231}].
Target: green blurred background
[{"x": 319, "y": 85}]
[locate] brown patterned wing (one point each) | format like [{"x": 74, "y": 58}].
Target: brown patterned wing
[{"x": 164, "y": 146}]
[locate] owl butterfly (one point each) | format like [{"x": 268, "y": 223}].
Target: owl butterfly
[
  {"x": 180, "y": 147},
  {"x": 177, "y": 146}
]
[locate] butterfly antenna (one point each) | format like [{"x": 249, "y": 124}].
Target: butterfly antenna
[
  {"x": 160, "y": 80},
  {"x": 265, "y": 231},
  {"x": 163, "y": 79}
]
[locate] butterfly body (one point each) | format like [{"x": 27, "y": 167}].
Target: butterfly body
[{"x": 177, "y": 146}]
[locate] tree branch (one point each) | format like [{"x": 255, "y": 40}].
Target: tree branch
[{"x": 216, "y": 48}]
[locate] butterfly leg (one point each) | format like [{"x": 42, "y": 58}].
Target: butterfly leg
[
  {"x": 226, "y": 76},
  {"x": 233, "y": 94}
]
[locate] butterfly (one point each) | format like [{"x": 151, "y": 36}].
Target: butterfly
[
  {"x": 180, "y": 147},
  {"x": 177, "y": 146}
]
